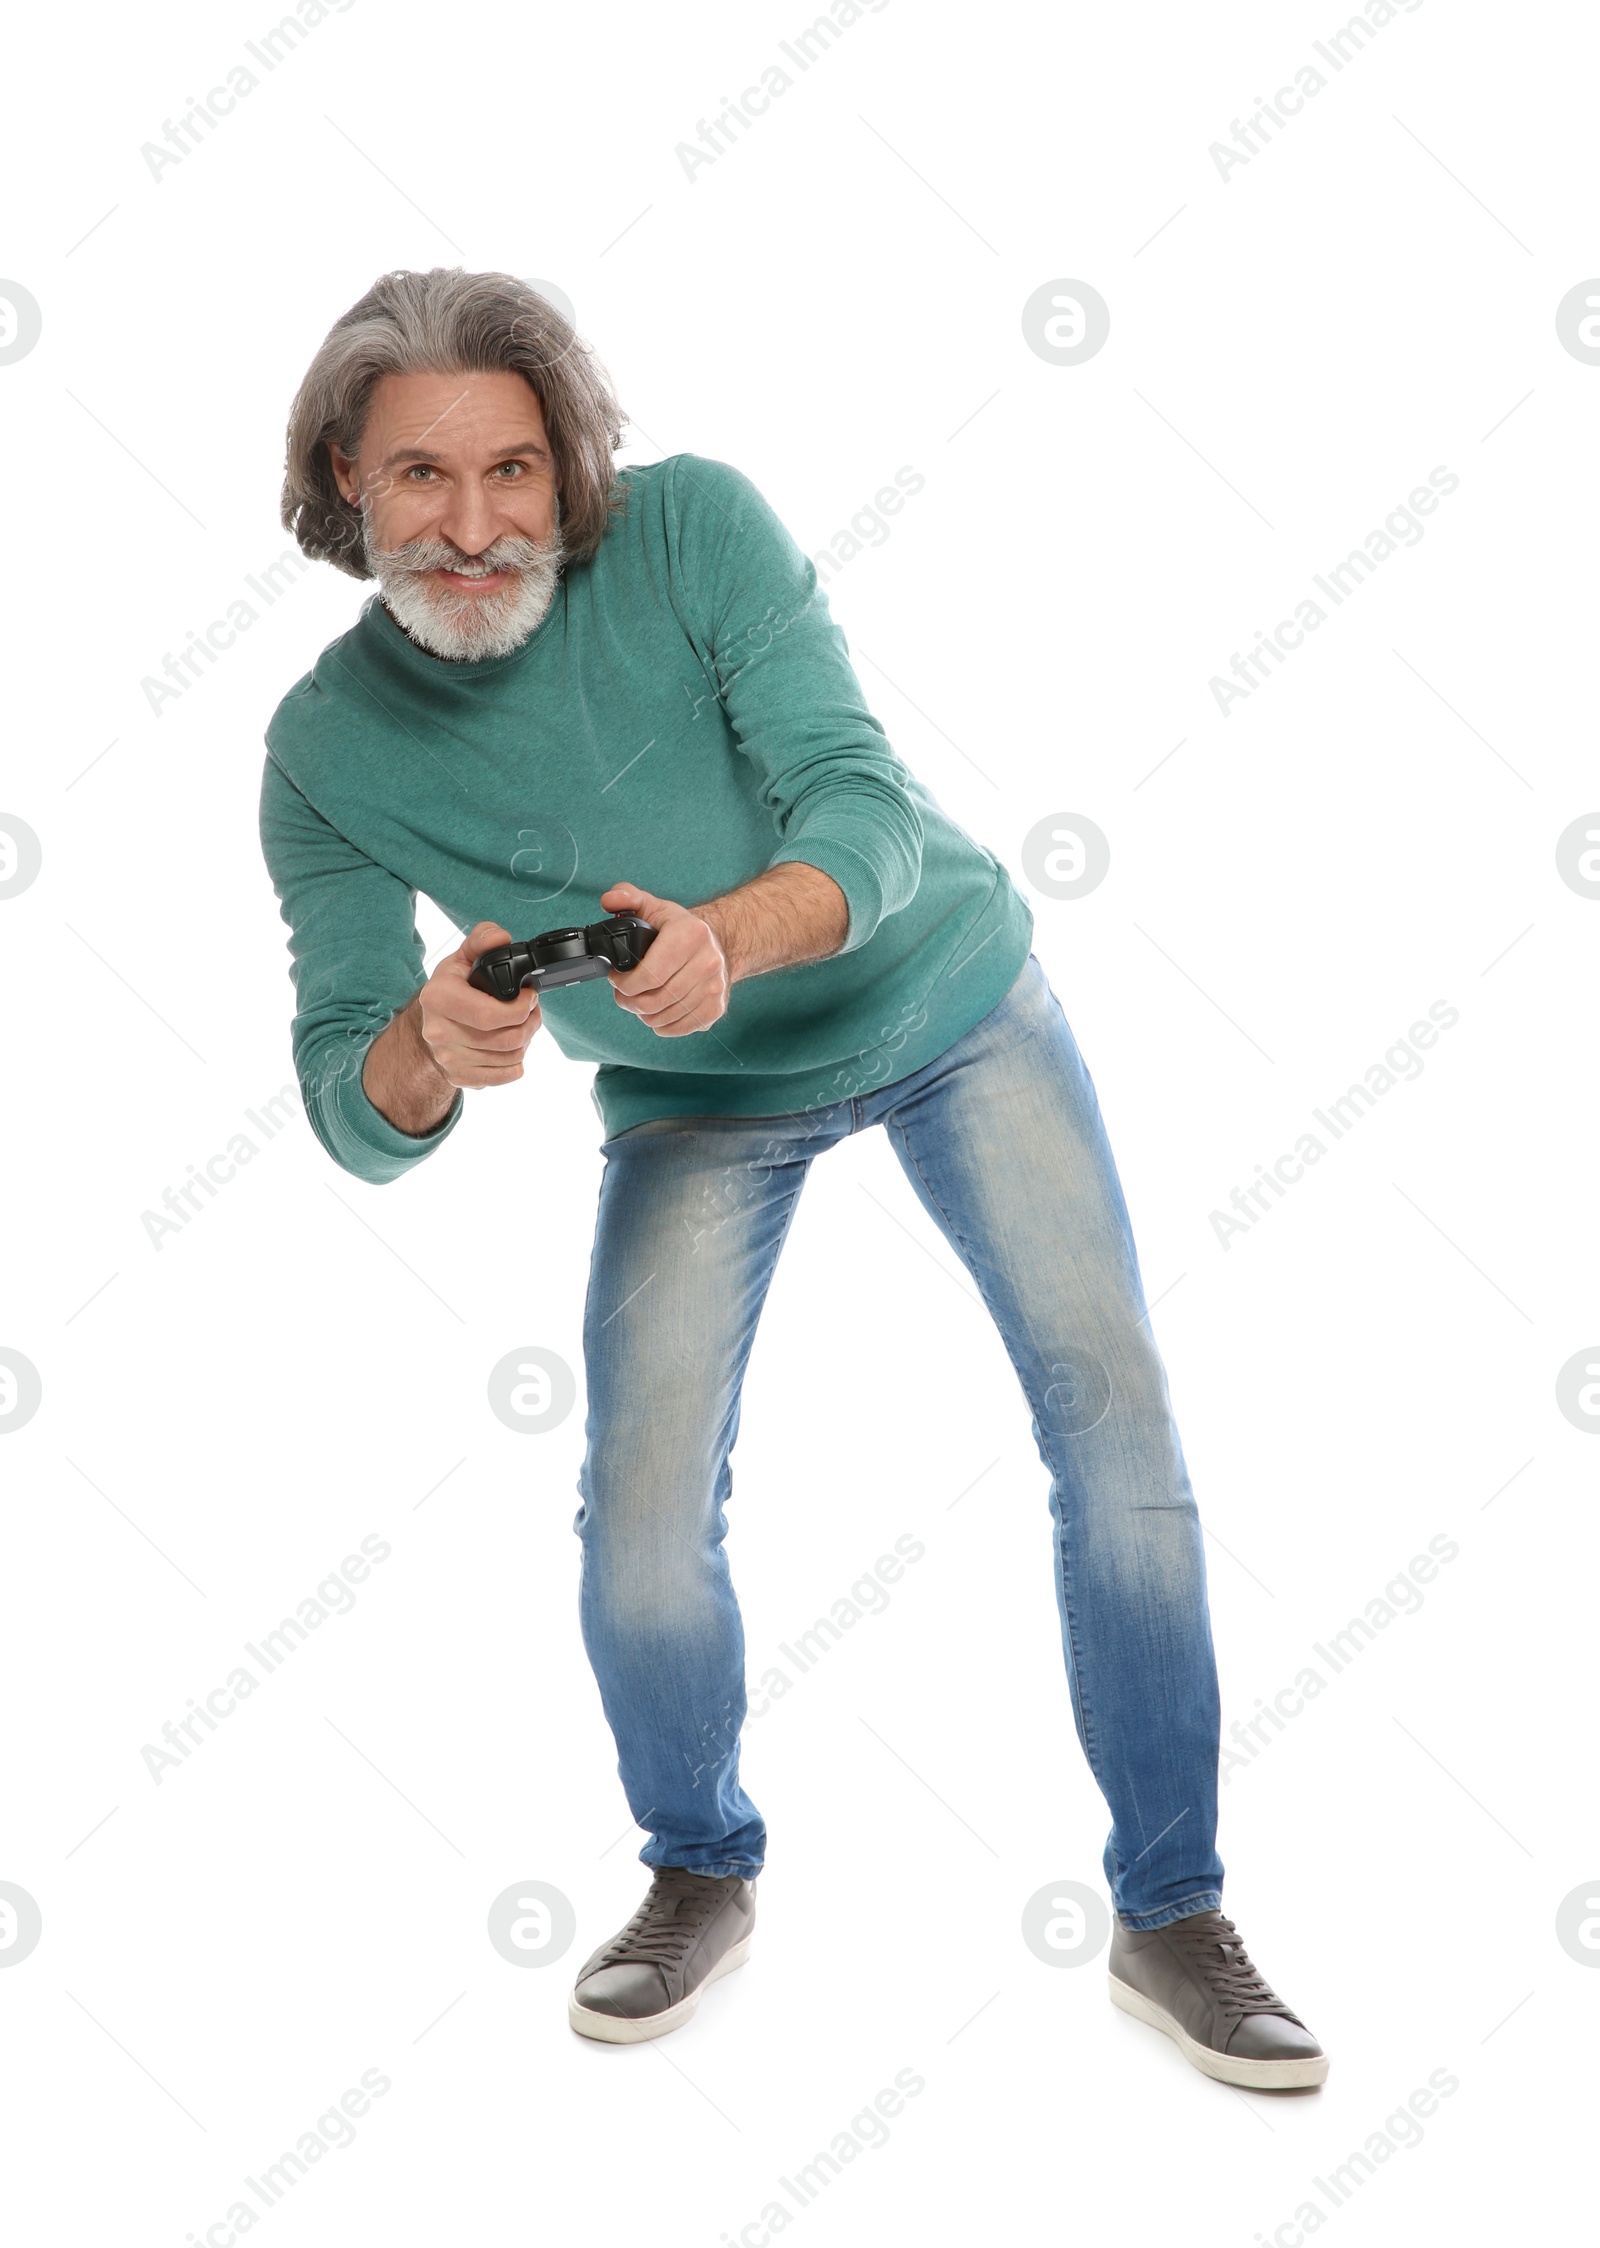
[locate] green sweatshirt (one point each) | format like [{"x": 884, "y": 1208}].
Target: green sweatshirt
[{"x": 684, "y": 717}]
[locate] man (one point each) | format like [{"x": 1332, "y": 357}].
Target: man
[{"x": 623, "y": 690}]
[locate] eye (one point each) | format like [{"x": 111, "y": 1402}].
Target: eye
[
  {"x": 419, "y": 468},
  {"x": 514, "y": 466}
]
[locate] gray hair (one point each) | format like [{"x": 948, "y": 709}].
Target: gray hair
[{"x": 449, "y": 321}]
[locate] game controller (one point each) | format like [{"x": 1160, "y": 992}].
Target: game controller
[{"x": 562, "y": 956}]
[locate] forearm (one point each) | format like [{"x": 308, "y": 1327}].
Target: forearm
[
  {"x": 790, "y": 914},
  {"x": 403, "y": 1081}
]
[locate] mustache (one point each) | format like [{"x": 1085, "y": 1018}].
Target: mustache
[{"x": 416, "y": 557}]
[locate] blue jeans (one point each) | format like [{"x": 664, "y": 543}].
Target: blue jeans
[{"x": 1002, "y": 1141}]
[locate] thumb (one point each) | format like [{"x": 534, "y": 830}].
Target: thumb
[
  {"x": 481, "y": 937},
  {"x": 627, "y": 897}
]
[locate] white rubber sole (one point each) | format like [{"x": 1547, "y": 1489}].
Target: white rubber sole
[
  {"x": 1255, "y": 2076},
  {"x": 622, "y": 2029}
]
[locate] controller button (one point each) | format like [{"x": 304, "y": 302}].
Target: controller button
[{"x": 563, "y": 944}]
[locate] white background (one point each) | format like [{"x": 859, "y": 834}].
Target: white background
[{"x": 1291, "y": 351}]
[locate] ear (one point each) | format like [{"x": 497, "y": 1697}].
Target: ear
[{"x": 344, "y": 474}]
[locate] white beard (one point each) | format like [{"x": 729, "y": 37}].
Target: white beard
[{"x": 466, "y": 627}]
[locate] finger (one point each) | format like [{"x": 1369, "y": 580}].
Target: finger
[
  {"x": 672, "y": 954},
  {"x": 457, "y": 1001},
  {"x": 456, "y": 1053},
  {"x": 503, "y": 1033},
  {"x": 649, "y": 975},
  {"x": 651, "y": 999},
  {"x": 491, "y": 1045},
  {"x": 627, "y": 897},
  {"x": 480, "y": 938},
  {"x": 481, "y": 1080},
  {"x": 694, "y": 1001},
  {"x": 463, "y": 1067},
  {"x": 691, "y": 1019},
  {"x": 453, "y": 998}
]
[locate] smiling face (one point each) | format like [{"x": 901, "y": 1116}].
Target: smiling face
[{"x": 460, "y": 511}]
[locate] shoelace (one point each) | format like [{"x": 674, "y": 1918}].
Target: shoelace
[
  {"x": 1214, "y": 1948},
  {"x": 669, "y": 1920}
]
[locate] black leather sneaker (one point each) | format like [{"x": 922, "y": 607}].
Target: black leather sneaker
[
  {"x": 1195, "y": 1980},
  {"x": 691, "y": 1928}
]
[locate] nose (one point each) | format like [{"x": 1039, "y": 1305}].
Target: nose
[{"x": 472, "y": 520}]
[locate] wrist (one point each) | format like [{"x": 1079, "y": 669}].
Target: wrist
[
  {"x": 401, "y": 1078},
  {"x": 721, "y": 923},
  {"x": 430, "y": 1081}
]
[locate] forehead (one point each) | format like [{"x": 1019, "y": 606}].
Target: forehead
[{"x": 454, "y": 415}]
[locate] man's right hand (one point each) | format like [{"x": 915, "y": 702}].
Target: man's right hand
[
  {"x": 449, "y": 1036},
  {"x": 475, "y": 1039}
]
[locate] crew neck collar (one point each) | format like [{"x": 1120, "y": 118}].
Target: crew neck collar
[{"x": 395, "y": 636}]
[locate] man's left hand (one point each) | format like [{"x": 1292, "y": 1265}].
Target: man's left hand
[{"x": 681, "y": 984}]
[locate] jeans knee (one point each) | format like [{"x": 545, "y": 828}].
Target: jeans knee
[{"x": 645, "y": 1552}]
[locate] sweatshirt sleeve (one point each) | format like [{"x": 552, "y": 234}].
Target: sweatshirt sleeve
[
  {"x": 779, "y": 664},
  {"x": 356, "y": 961}
]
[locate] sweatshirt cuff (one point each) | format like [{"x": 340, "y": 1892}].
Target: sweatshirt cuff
[
  {"x": 362, "y": 1138},
  {"x": 855, "y": 875}
]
